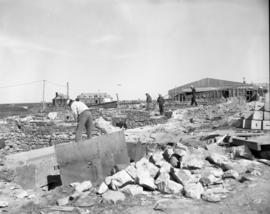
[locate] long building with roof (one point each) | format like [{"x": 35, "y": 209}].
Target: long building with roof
[{"x": 209, "y": 88}]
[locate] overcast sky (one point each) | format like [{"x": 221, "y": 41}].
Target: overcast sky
[{"x": 129, "y": 46}]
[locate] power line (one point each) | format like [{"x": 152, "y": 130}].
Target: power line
[
  {"x": 29, "y": 83},
  {"x": 21, "y": 84}
]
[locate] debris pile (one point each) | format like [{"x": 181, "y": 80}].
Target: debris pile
[{"x": 177, "y": 169}]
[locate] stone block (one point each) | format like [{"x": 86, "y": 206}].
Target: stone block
[
  {"x": 121, "y": 178},
  {"x": 182, "y": 176},
  {"x": 113, "y": 196},
  {"x": 169, "y": 187},
  {"x": 145, "y": 164},
  {"x": 132, "y": 189},
  {"x": 145, "y": 179},
  {"x": 193, "y": 190}
]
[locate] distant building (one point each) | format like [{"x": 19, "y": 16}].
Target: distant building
[
  {"x": 94, "y": 98},
  {"x": 60, "y": 100},
  {"x": 208, "y": 89}
]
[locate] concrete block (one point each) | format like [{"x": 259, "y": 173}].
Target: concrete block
[
  {"x": 266, "y": 115},
  {"x": 33, "y": 168},
  {"x": 258, "y": 115},
  {"x": 92, "y": 159},
  {"x": 259, "y": 106},
  {"x": 266, "y": 125}
]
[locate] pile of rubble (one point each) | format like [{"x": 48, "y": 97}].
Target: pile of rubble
[{"x": 176, "y": 169}]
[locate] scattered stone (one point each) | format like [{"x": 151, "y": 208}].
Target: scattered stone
[
  {"x": 62, "y": 201},
  {"x": 211, "y": 197},
  {"x": 231, "y": 174},
  {"x": 168, "y": 153},
  {"x": 131, "y": 170},
  {"x": 113, "y": 196},
  {"x": 108, "y": 180},
  {"x": 193, "y": 163},
  {"x": 210, "y": 179},
  {"x": 156, "y": 157},
  {"x": 121, "y": 179},
  {"x": 211, "y": 175},
  {"x": 164, "y": 166},
  {"x": 163, "y": 176},
  {"x": 132, "y": 189},
  {"x": 180, "y": 152},
  {"x": 174, "y": 161},
  {"x": 217, "y": 159},
  {"x": 84, "y": 186},
  {"x": 182, "y": 176},
  {"x": 102, "y": 188},
  {"x": 145, "y": 164},
  {"x": 169, "y": 186},
  {"x": 145, "y": 179},
  {"x": 193, "y": 190}
]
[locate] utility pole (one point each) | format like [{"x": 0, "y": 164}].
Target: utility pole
[
  {"x": 67, "y": 90},
  {"x": 43, "y": 97}
]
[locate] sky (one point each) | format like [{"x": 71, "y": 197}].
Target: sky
[{"x": 128, "y": 47}]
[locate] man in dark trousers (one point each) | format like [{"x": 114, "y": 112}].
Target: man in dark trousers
[
  {"x": 148, "y": 101},
  {"x": 83, "y": 116},
  {"x": 160, "y": 101},
  {"x": 193, "y": 96}
]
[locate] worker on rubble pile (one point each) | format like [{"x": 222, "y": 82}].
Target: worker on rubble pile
[
  {"x": 148, "y": 101},
  {"x": 193, "y": 96},
  {"x": 161, "y": 101},
  {"x": 83, "y": 116}
]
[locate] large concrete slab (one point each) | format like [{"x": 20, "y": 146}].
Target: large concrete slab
[
  {"x": 32, "y": 168},
  {"x": 92, "y": 159}
]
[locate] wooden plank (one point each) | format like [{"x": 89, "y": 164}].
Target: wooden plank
[
  {"x": 92, "y": 159},
  {"x": 250, "y": 143}
]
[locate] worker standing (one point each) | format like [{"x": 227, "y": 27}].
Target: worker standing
[
  {"x": 161, "y": 102},
  {"x": 148, "y": 101},
  {"x": 83, "y": 116},
  {"x": 193, "y": 96}
]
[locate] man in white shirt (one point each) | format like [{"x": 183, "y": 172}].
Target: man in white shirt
[{"x": 83, "y": 115}]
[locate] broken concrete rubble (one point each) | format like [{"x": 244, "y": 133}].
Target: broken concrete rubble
[
  {"x": 193, "y": 190},
  {"x": 132, "y": 189},
  {"x": 113, "y": 196},
  {"x": 165, "y": 180}
]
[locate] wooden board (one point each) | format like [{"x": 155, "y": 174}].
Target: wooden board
[{"x": 92, "y": 159}]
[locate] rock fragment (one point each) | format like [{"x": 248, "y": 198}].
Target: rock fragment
[
  {"x": 113, "y": 196},
  {"x": 193, "y": 190}
]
